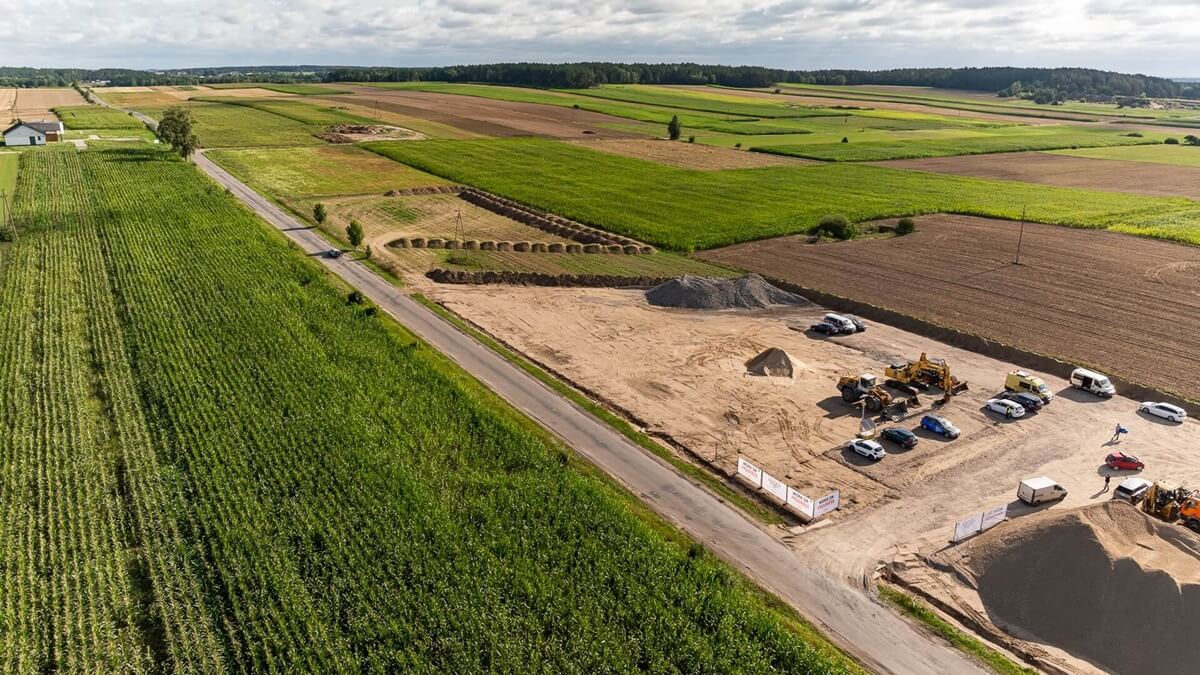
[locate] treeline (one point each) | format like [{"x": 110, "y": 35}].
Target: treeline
[{"x": 124, "y": 77}]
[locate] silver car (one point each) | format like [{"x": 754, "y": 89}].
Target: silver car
[{"x": 1163, "y": 410}]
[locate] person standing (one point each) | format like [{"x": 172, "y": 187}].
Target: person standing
[{"x": 1106, "y": 481}]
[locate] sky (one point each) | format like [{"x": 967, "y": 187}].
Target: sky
[{"x": 1156, "y": 37}]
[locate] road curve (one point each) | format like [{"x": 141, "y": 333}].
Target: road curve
[{"x": 871, "y": 632}]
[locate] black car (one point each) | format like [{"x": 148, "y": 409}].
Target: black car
[
  {"x": 859, "y": 324},
  {"x": 902, "y": 437},
  {"x": 1027, "y": 401},
  {"x": 825, "y": 328}
]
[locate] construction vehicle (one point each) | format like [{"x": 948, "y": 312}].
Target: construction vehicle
[
  {"x": 876, "y": 399},
  {"x": 923, "y": 373},
  {"x": 1166, "y": 502}
]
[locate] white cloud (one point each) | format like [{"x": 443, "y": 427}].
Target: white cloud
[{"x": 1127, "y": 35}]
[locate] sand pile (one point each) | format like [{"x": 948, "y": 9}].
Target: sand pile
[
  {"x": 773, "y": 362},
  {"x": 1105, "y": 582},
  {"x": 745, "y": 292}
]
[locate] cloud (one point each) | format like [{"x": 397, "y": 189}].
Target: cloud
[{"x": 1115, "y": 34}]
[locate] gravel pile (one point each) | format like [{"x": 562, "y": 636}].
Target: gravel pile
[{"x": 746, "y": 292}]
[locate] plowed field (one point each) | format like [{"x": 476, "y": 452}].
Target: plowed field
[{"x": 1129, "y": 305}]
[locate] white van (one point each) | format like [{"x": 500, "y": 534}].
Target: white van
[
  {"x": 843, "y": 324},
  {"x": 1091, "y": 381},
  {"x": 1034, "y": 491}
]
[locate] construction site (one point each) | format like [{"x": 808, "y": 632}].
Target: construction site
[{"x": 729, "y": 373}]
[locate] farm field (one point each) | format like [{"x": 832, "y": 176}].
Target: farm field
[
  {"x": 287, "y": 173},
  {"x": 7, "y": 98},
  {"x": 221, "y": 125},
  {"x": 1070, "y": 171},
  {"x": 1174, "y": 155},
  {"x": 305, "y": 111},
  {"x": 677, "y": 209},
  {"x": 96, "y": 117},
  {"x": 9, "y": 161},
  {"x": 689, "y": 155},
  {"x": 214, "y": 462},
  {"x": 1082, "y": 296},
  {"x": 39, "y": 104},
  {"x": 297, "y": 89}
]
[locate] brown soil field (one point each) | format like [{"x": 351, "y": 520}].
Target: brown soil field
[
  {"x": 494, "y": 118},
  {"x": 689, "y": 155},
  {"x": 135, "y": 97},
  {"x": 36, "y": 104},
  {"x": 1128, "y": 305},
  {"x": 420, "y": 125},
  {"x": 1063, "y": 170},
  {"x": 7, "y": 97}
]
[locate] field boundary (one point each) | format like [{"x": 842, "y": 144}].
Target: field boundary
[
  {"x": 448, "y": 276},
  {"x": 980, "y": 345}
]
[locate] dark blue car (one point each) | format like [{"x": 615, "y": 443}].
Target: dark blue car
[
  {"x": 939, "y": 425},
  {"x": 902, "y": 437}
]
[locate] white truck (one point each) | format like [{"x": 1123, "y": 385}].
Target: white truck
[
  {"x": 1034, "y": 491},
  {"x": 1093, "y": 382}
]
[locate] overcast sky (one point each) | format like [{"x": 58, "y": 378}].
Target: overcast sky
[{"x": 1160, "y": 37}]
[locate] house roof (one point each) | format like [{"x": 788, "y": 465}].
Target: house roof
[{"x": 43, "y": 127}]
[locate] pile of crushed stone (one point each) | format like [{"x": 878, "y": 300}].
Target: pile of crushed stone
[
  {"x": 746, "y": 292},
  {"x": 1104, "y": 582}
]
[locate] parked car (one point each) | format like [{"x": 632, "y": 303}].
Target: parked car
[
  {"x": 1163, "y": 410},
  {"x": 333, "y": 253},
  {"x": 859, "y": 324},
  {"x": 868, "y": 449},
  {"x": 1010, "y": 409},
  {"x": 1019, "y": 380},
  {"x": 902, "y": 437},
  {"x": 1029, "y": 402},
  {"x": 1119, "y": 461},
  {"x": 940, "y": 426},
  {"x": 843, "y": 324},
  {"x": 1132, "y": 490},
  {"x": 825, "y": 328},
  {"x": 1090, "y": 380}
]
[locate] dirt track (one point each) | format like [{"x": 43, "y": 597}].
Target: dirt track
[
  {"x": 1128, "y": 305},
  {"x": 1067, "y": 171},
  {"x": 492, "y": 117}
]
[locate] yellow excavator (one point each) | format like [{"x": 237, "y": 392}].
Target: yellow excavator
[
  {"x": 1170, "y": 503},
  {"x": 922, "y": 373},
  {"x": 875, "y": 398}
]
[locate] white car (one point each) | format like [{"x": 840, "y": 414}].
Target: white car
[
  {"x": 1163, "y": 410},
  {"x": 868, "y": 449},
  {"x": 1010, "y": 409},
  {"x": 843, "y": 324}
]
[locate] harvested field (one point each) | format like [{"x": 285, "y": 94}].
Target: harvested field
[
  {"x": 38, "y": 104},
  {"x": 7, "y": 97},
  {"x": 1162, "y": 180},
  {"x": 689, "y": 155},
  {"x": 136, "y": 97},
  {"x": 1080, "y": 295},
  {"x": 496, "y": 118},
  {"x": 366, "y": 108},
  {"x": 1076, "y": 579}
]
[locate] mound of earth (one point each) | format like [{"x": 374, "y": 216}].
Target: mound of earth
[
  {"x": 354, "y": 133},
  {"x": 746, "y": 292},
  {"x": 773, "y": 362},
  {"x": 1106, "y": 583}
]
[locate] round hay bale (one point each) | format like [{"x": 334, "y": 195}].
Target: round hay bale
[
  {"x": 614, "y": 248},
  {"x": 556, "y": 248},
  {"x": 504, "y": 246},
  {"x": 521, "y": 246},
  {"x": 453, "y": 244},
  {"x": 398, "y": 243},
  {"x": 487, "y": 246},
  {"x": 646, "y": 250},
  {"x": 631, "y": 250},
  {"x": 574, "y": 248},
  {"x": 435, "y": 242},
  {"x": 470, "y": 245},
  {"x": 417, "y": 242},
  {"x": 539, "y": 247},
  {"x": 593, "y": 248}
]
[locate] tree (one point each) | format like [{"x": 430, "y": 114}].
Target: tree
[
  {"x": 319, "y": 213},
  {"x": 175, "y": 129},
  {"x": 838, "y": 227},
  {"x": 354, "y": 232},
  {"x": 674, "y": 128},
  {"x": 905, "y": 226},
  {"x": 1191, "y": 139}
]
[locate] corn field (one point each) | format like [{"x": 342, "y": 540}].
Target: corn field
[{"x": 210, "y": 462}]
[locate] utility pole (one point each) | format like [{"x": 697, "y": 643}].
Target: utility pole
[{"x": 1020, "y": 237}]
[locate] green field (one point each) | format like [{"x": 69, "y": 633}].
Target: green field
[
  {"x": 711, "y": 102},
  {"x": 299, "y": 111},
  {"x": 8, "y": 184},
  {"x": 220, "y": 125},
  {"x": 960, "y": 142},
  {"x": 681, "y": 209},
  {"x": 96, "y": 117},
  {"x": 299, "y": 89},
  {"x": 213, "y": 462},
  {"x": 1178, "y": 155},
  {"x": 288, "y": 173}
]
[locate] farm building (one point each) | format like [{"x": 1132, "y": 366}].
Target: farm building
[{"x": 33, "y": 133}]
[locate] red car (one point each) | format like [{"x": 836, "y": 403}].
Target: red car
[{"x": 1119, "y": 461}]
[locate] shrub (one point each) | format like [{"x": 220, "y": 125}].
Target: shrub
[
  {"x": 355, "y": 298},
  {"x": 1134, "y": 134},
  {"x": 738, "y": 146},
  {"x": 1191, "y": 139},
  {"x": 838, "y": 227},
  {"x": 906, "y": 226},
  {"x": 691, "y": 139},
  {"x": 1172, "y": 141},
  {"x": 845, "y": 139}
]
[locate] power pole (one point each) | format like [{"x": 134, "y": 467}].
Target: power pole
[{"x": 1020, "y": 237}]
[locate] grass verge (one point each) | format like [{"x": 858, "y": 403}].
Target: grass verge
[
  {"x": 911, "y": 607},
  {"x": 698, "y": 474}
]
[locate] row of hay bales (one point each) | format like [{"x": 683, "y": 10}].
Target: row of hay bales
[
  {"x": 517, "y": 246},
  {"x": 445, "y": 276},
  {"x": 548, "y": 222},
  {"x": 428, "y": 190}
]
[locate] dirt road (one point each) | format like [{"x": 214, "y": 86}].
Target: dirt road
[{"x": 866, "y": 629}]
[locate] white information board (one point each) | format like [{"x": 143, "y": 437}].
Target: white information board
[
  {"x": 800, "y": 504},
  {"x": 774, "y": 487},
  {"x": 752, "y": 474},
  {"x": 968, "y": 527},
  {"x": 829, "y": 502}
]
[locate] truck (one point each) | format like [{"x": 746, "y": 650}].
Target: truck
[
  {"x": 1034, "y": 491},
  {"x": 1019, "y": 380},
  {"x": 1092, "y": 382}
]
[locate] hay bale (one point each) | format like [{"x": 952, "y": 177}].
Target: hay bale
[
  {"x": 521, "y": 246},
  {"x": 435, "y": 242},
  {"x": 487, "y": 246},
  {"x": 574, "y": 248},
  {"x": 398, "y": 243},
  {"x": 453, "y": 244},
  {"x": 593, "y": 248},
  {"x": 556, "y": 248},
  {"x": 647, "y": 250},
  {"x": 539, "y": 247},
  {"x": 504, "y": 246},
  {"x": 631, "y": 250},
  {"x": 417, "y": 242},
  {"x": 470, "y": 245},
  {"x": 614, "y": 248}
]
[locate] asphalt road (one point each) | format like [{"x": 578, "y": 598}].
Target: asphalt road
[{"x": 871, "y": 632}]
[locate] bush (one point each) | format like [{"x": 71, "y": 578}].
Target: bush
[
  {"x": 691, "y": 139},
  {"x": 1172, "y": 141},
  {"x": 1191, "y": 139},
  {"x": 1134, "y": 134},
  {"x": 838, "y": 227},
  {"x": 355, "y": 298},
  {"x": 845, "y": 139},
  {"x": 738, "y": 146},
  {"x": 905, "y": 226}
]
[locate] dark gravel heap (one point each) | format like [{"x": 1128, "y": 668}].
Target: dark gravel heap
[{"x": 746, "y": 292}]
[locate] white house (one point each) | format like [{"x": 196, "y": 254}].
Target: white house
[{"x": 33, "y": 133}]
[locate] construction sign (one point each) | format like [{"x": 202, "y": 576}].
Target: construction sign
[
  {"x": 749, "y": 472},
  {"x": 829, "y": 502},
  {"x": 775, "y": 487}
]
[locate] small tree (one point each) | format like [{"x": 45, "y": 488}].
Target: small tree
[
  {"x": 674, "y": 128},
  {"x": 1191, "y": 139},
  {"x": 905, "y": 226},
  {"x": 1172, "y": 141},
  {"x": 354, "y": 232},
  {"x": 845, "y": 139},
  {"x": 175, "y": 129},
  {"x": 838, "y": 227},
  {"x": 319, "y": 213},
  {"x": 691, "y": 139}
]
